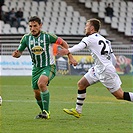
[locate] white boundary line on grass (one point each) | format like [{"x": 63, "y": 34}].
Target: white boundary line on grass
[{"x": 28, "y": 101}]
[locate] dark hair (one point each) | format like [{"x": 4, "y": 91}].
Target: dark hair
[
  {"x": 35, "y": 18},
  {"x": 96, "y": 23}
]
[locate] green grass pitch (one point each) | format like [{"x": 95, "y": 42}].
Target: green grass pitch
[{"x": 102, "y": 113}]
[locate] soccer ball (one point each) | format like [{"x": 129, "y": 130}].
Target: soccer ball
[{"x": 0, "y": 100}]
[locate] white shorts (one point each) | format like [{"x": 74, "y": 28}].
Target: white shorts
[{"x": 109, "y": 78}]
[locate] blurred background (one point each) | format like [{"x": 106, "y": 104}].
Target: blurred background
[{"x": 67, "y": 19}]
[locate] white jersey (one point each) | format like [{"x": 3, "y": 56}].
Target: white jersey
[{"x": 100, "y": 49}]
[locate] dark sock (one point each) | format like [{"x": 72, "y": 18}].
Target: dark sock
[
  {"x": 127, "y": 96},
  {"x": 40, "y": 104}
]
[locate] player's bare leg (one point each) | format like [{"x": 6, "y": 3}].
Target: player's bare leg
[
  {"x": 82, "y": 85},
  {"x": 120, "y": 94}
]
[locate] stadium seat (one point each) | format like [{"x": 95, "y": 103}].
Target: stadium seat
[
  {"x": 115, "y": 19},
  {"x": 21, "y": 30},
  {"x": 13, "y": 5},
  {"x": 5, "y": 8},
  {"x": 14, "y": 30},
  {"x": 1, "y": 24},
  {"x": 76, "y": 13},
  {"x": 54, "y": 19},
  {"x": 107, "y": 19},
  {"x": 6, "y": 31},
  {"x": 63, "y": 9},
  {"x": 95, "y": 7},
  {"x": 114, "y": 25},
  {"x": 67, "y": 24},
  {"x": 58, "y": 11},
  {"x": 129, "y": 4},
  {"x": 66, "y": 30},
  {"x": 88, "y": 4},
  {"x": 68, "y": 19},
  {"x": 128, "y": 19},
  {"x": 116, "y": 13},
  {"x": 41, "y": 4},
  {"x": 55, "y": 9},
  {"x": 121, "y": 27},
  {"x": 59, "y": 29},
  {"x": 20, "y": 4},
  {"x": 101, "y": 14},
  {"x": 82, "y": 1},
  {"x": 122, "y": 14},
  {"x": 103, "y": 32},
  {"x": 63, "y": 4},
  {"x": 34, "y": 4},
  {"x": 122, "y": 19},
  {"x": 70, "y": 8},
  {"x": 62, "y": 14},
  {"x": 69, "y": 14},
  {"x": 128, "y": 32},
  {"x": 7, "y": 3},
  {"x": 82, "y": 19},
  {"x": 73, "y": 32},
  {"x": 23, "y": 23},
  {"x": 6, "y": 28},
  {"x": 102, "y": 4},
  {"x": 33, "y": 13},
  {"x": 80, "y": 30}
]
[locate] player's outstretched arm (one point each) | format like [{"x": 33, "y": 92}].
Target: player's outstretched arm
[{"x": 65, "y": 51}]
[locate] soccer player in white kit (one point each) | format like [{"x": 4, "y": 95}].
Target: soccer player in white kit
[{"x": 103, "y": 69}]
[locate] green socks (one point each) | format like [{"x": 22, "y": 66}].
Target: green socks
[{"x": 45, "y": 96}]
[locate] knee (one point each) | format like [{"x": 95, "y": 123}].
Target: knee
[
  {"x": 81, "y": 85},
  {"x": 41, "y": 85}
]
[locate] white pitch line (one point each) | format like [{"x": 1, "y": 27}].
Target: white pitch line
[{"x": 29, "y": 101}]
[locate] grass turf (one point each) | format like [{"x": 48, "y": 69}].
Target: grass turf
[{"x": 102, "y": 113}]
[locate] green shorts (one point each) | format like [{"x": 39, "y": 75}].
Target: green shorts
[{"x": 49, "y": 71}]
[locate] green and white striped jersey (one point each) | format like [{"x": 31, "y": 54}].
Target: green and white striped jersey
[{"x": 40, "y": 48}]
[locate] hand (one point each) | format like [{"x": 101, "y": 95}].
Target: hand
[
  {"x": 16, "y": 54},
  {"x": 63, "y": 51},
  {"x": 72, "y": 61}
]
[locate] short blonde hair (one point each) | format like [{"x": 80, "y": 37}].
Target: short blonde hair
[{"x": 96, "y": 23}]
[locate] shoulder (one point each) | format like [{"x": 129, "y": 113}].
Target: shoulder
[
  {"x": 49, "y": 34},
  {"x": 52, "y": 35},
  {"x": 91, "y": 37},
  {"x": 96, "y": 36},
  {"x": 25, "y": 36}
]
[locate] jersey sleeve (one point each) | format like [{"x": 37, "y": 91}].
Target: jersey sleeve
[
  {"x": 86, "y": 41},
  {"x": 22, "y": 44},
  {"x": 53, "y": 38},
  {"x": 79, "y": 46}
]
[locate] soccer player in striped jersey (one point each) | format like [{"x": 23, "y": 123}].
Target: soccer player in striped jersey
[
  {"x": 39, "y": 45},
  {"x": 103, "y": 69}
]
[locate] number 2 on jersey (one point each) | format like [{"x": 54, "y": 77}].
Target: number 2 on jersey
[{"x": 103, "y": 51}]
